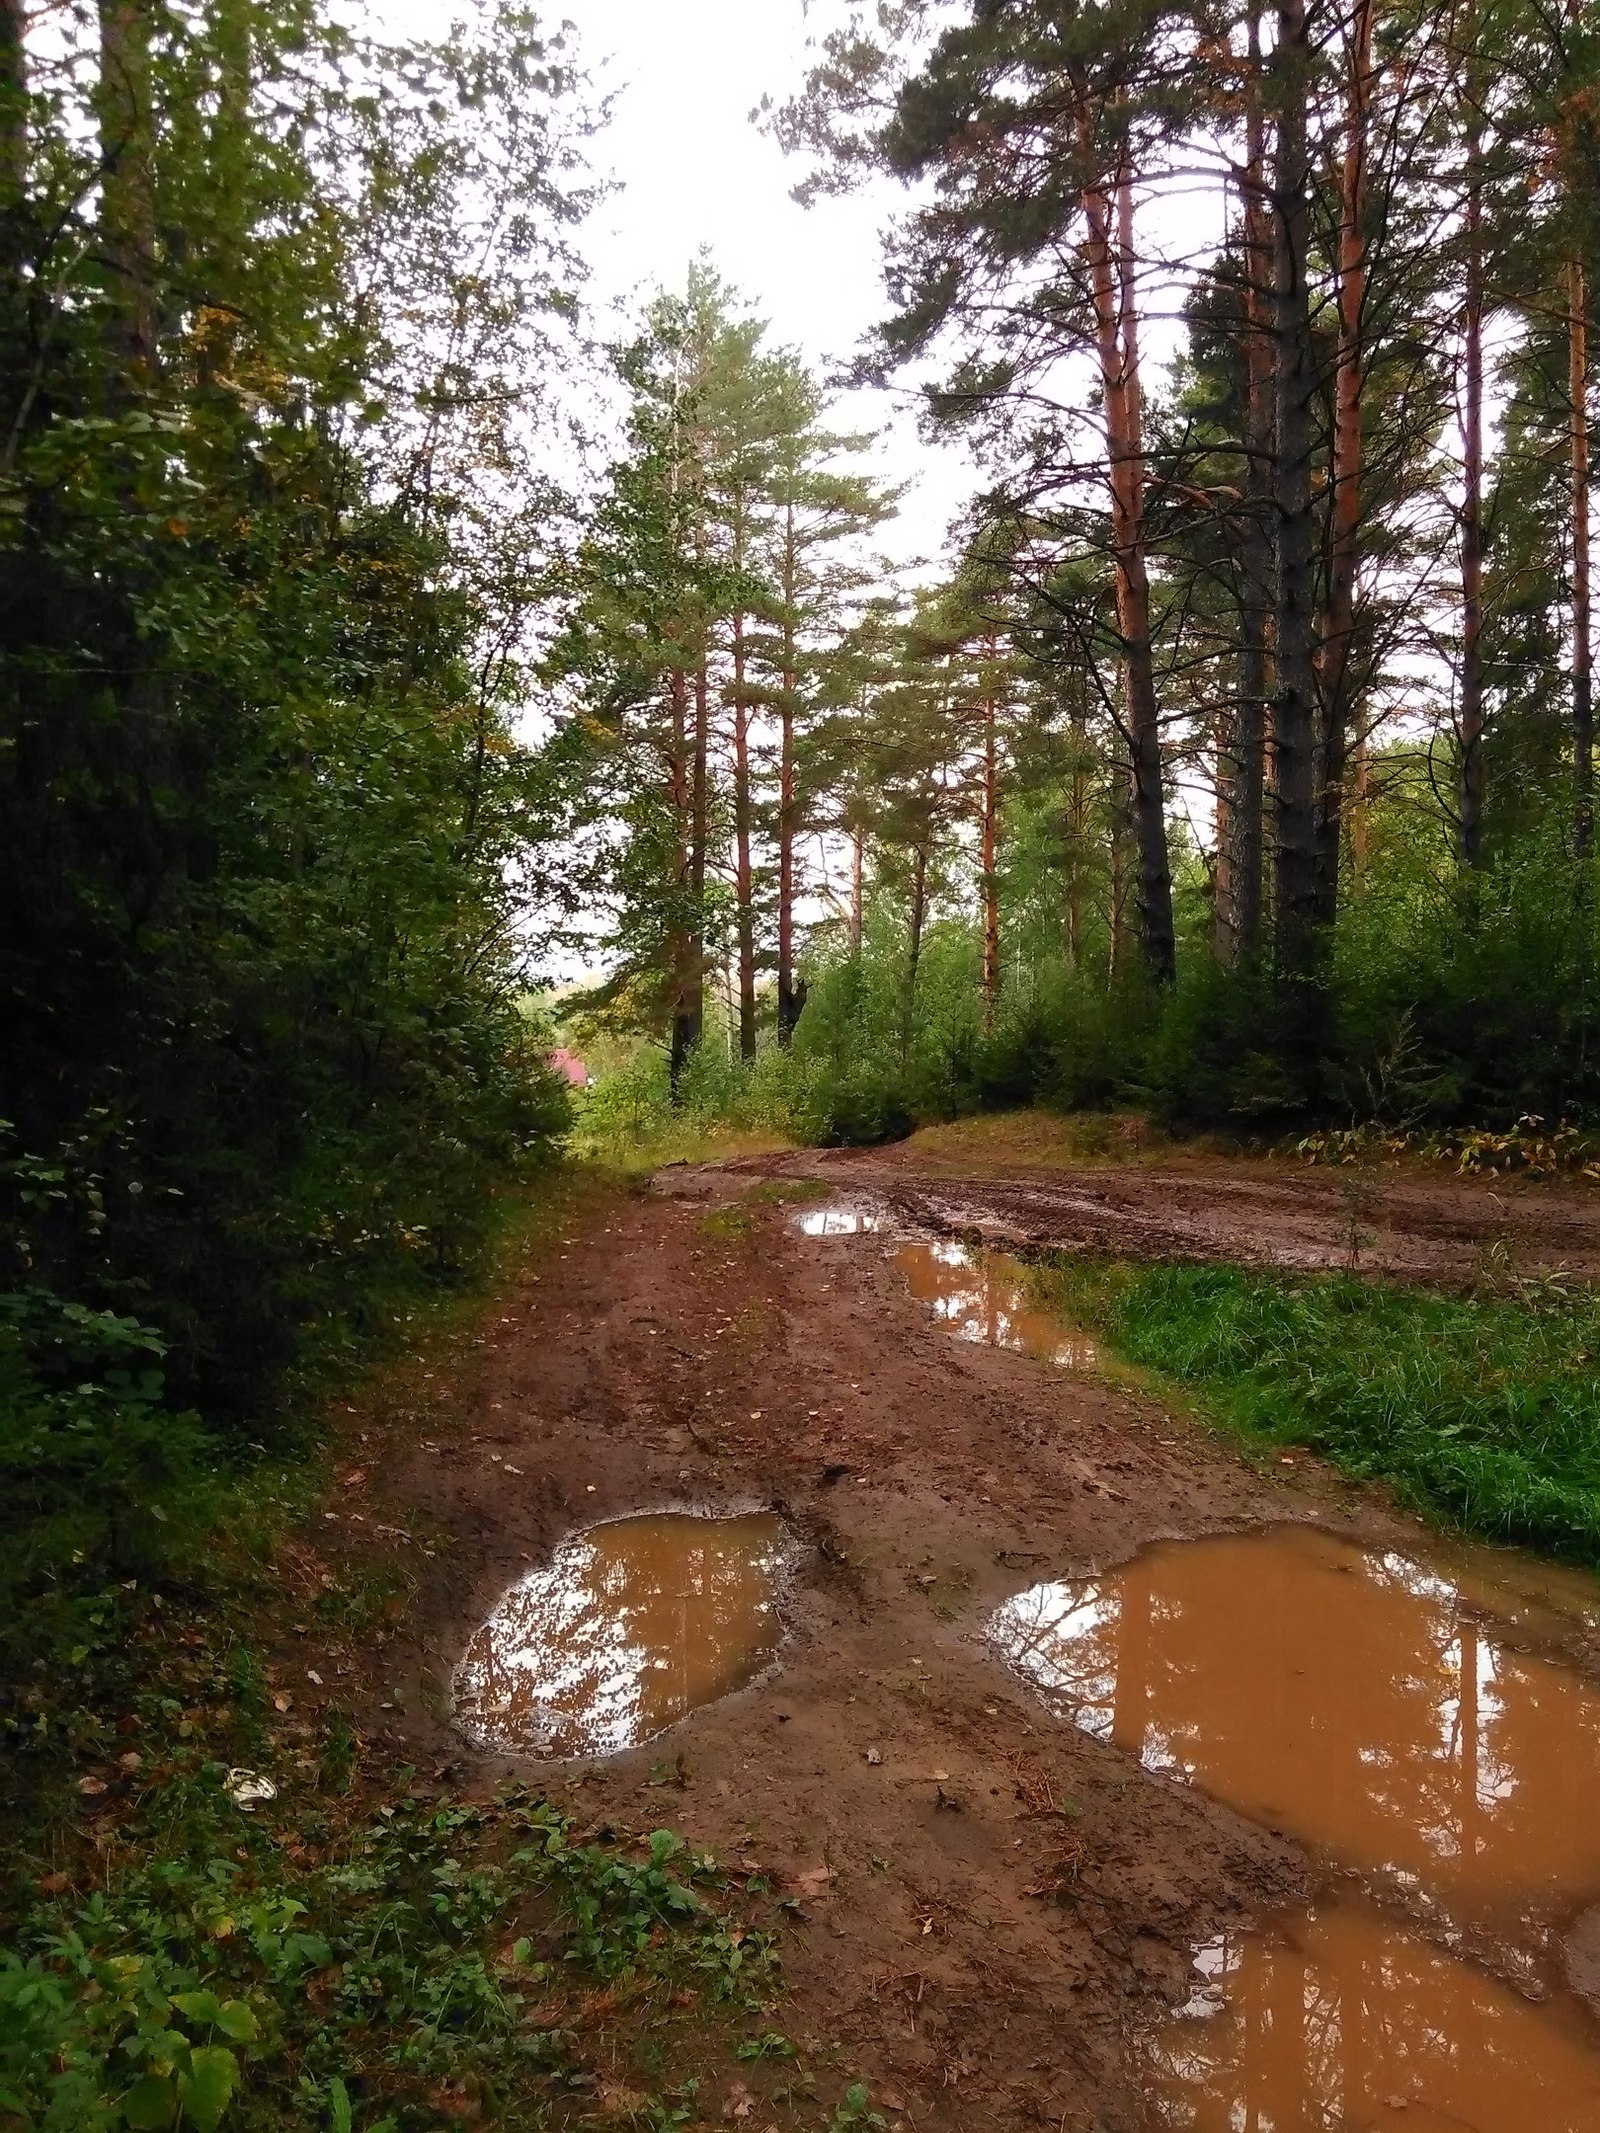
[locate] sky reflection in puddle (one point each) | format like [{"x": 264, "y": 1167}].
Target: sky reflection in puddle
[
  {"x": 1345, "y": 1695},
  {"x": 1340, "y": 2020},
  {"x": 984, "y": 1297},
  {"x": 836, "y": 1222},
  {"x": 626, "y": 1628}
]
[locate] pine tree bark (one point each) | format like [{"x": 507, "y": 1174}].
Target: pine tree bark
[
  {"x": 125, "y": 119},
  {"x": 1295, "y": 881},
  {"x": 1469, "y": 799},
  {"x": 1111, "y": 265},
  {"x": 1337, "y": 706},
  {"x": 1582, "y": 645},
  {"x": 917, "y": 920},
  {"x": 858, "y": 853},
  {"x": 683, "y": 958},
  {"x": 13, "y": 129},
  {"x": 990, "y": 860},
  {"x": 790, "y": 1001},
  {"x": 743, "y": 872},
  {"x": 1242, "y": 764}
]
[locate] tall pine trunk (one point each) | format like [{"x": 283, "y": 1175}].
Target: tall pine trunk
[
  {"x": 990, "y": 860},
  {"x": 1582, "y": 651},
  {"x": 743, "y": 873},
  {"x": 858, "y": 852},
  {"x": 790, "y": 1001},
  {"x": 1111, "y": 263},
  {"x": 684, "y": 962},
  {"x": 1469, "y": 799},
  {"x": 1337, "y": 704},
  {"x": 13, "y": 134},
  {"x": 127, "y": 234},
  {"x": 1295, "y": 699},
  {"x": 917, "y": 920},
  {"x": 1242, "y": 764}
]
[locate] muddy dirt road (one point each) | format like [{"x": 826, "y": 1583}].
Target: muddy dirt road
[
  {"x": 1420, "y": 1224},
  {"x": 994, "y": 1905}
]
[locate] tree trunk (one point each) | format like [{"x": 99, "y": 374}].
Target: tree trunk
[
  {"x": 13, "y": 133},
  {"x": 789, "y": 1002},
  {"x": 990, "y": 856},
  {"x": 1240, "y": 840},
  {"x": 858, "y": 847},
  {"x": 919, "y": 913},
  {"x": 683, "y": 952},
  {"x": 1582, "y": 671},
  {"x": 1077, "y": 821},
  {"x": 1295, "y": 700},
  {"x": 1470, "y": 794},
  {"x": 1337, "y": 706},
  {"x": 125, "y": 120},
  {"x": 743, "y": 874},
  {"x": 1111, "y": 261}
]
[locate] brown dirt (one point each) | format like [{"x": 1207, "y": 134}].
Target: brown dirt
[
  {"x": 1415, "y": 1224},
  {"x": 979, "y": 1956}
]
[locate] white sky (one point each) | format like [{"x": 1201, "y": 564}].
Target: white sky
[{"x": 685, "y": 75}]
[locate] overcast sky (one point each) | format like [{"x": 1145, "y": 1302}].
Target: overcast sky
[{"x": 694, "y": 171}]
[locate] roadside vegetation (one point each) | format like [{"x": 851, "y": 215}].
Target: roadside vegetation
[{"x": 1483, "y": 1410}]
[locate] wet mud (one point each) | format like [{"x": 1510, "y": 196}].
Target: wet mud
[{"x": 996, "y": 1911}]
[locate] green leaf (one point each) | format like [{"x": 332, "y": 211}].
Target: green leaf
[
  {"x": 208, "y": 2088},
  {"x": 150, "y": 2105},
  {"x": 339, "y": 2119},
  {"x": 197, "y": 2006},
  {"x": 238, "y": 2021}
]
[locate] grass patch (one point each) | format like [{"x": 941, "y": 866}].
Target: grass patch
[
  {"x": 1483, "y": 1411},
  {"x": 997, "y": 1141}
]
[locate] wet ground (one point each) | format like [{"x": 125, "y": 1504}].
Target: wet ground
[
  {"x": 1421, "y": 1223},
  {"x": 1086, "y": 1828}
]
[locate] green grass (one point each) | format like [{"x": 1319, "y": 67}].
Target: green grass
[{"x": 1483, "y": 1411}]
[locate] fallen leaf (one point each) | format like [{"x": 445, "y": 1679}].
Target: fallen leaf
[
  {"x": 740, "y": 2104},
  {"x": 91, "y": 1787},
  {"x": 814, "y": 1881},
  {"x": 130, "y": 1762},
  {"x": 281, "y": 1702},
  {"x": 872, "y": 1755}
]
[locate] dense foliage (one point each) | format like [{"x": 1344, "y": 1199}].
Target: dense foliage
[{"x": 259, "y": 797}]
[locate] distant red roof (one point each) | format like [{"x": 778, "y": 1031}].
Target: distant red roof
[{"x": 568, "y": 1063}]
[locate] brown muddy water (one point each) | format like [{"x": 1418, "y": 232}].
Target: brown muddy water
[
  {"x": 984, "y": 1297},
  {"x": 1342, "y": 2020},
  {"x": 1349, "y": 1696},
  {"x": 629, "y": 1626},
  {"x": 1391, "y": 1716}
]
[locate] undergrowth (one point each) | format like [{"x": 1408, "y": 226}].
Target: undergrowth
[{"x": 1483, "y": 1410}]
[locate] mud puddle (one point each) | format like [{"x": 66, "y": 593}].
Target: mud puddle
[
  {"x": 1393, "y": 1717},
  {"x": 1353, "y": 1697},
  {"x": 629, "y": 1626},
  {"x": 837, "y": 1222},
  {"x": 1343, "y": 2021},
  {"x": 985, "y": 1297}
]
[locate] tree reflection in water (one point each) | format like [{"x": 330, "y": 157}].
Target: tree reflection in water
[
  {"x": 1340, "y": 2021},
  {"x": 1346, "y": 1695},
  {"x": 628, "y": 1626}
]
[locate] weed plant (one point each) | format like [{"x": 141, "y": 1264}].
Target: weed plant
[{"x": 1483, "y": 1410}]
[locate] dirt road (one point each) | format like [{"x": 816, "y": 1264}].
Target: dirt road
[
  {"x": 981, "y": 1957},
  {"x": 1420, "y": 1224}
]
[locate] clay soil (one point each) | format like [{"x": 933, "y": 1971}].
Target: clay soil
[{"x": 991, "y": 1905}]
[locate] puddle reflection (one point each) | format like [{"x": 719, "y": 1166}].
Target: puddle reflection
[
  {"x": 836, "y": 1222},
  {"x": 626, "y": 1628},
  {"x": 984, "y": 1297},
  {"x": 1340, "y": 2021},
  {"x": 1345, "y": 1695}
]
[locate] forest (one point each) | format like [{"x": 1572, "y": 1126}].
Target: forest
[{"x": 408, "y": 673}]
